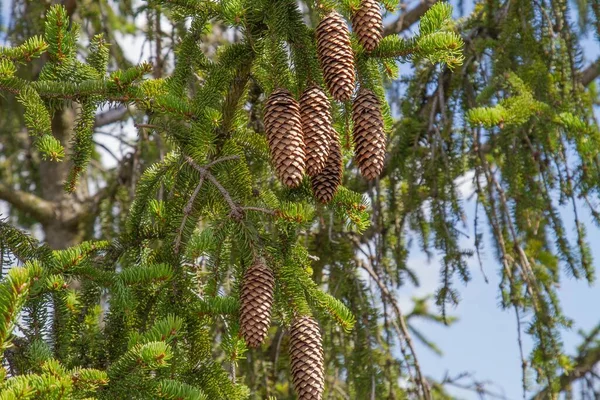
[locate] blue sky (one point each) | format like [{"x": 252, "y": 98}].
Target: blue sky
[{"x": 484, "y": 340}]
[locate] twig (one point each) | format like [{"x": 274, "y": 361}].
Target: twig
[
  {"x": 186, "y": 213},
  {"x": 236, "y": 211},
  {"x": 150, "y": 126},
  {"x": 475, "y": 386},
  {"x": 109, "y": 151},
  {"x": 521, "y": 354},
  {"x": 402, "y": 326},
  {"x": 260, "y": 209}
]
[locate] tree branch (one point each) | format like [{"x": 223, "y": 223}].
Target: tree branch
[
  {"x": 113, "y": 115},
  {"x": 583, "y": 364},
  {"x": 590, "y": 73},
  {"x": 405, "y": 20},
  {"x": 236, "y": 211},
  {"x": 40, "y": 209}
]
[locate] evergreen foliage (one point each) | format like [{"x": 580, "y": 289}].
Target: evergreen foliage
[{"x": 149, "y": 307}]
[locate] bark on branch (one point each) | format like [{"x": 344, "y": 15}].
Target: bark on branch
[
  {"x": 112, "y": 115},
  {"x": 40, "y": 209},
  {"x": 405, "y": 20},
  {"x": 590, "y": 73}
]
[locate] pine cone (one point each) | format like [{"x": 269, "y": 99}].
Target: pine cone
[
  {"x": 306, "y": 355},
  {"x": 284, "y": 133},
  {"x": 257, "y": 300},
  {"x": 368, "y": 24},
  {"x": 325, "y": 185},
  {"x": 369, "y": 137},
  {"x": 316, "y": 124},
  {"x": 335, "y": 55}
]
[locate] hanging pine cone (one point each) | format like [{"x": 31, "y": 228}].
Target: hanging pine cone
[
  {"x": 316, "y": 124},
  {"x": 369, "y": 137},
  {"x": 257, "y": 300},
  {"x": 284, "y": 133},
  {"x": 335, "y": 55},
  {"x": 306, "y": 355},
  {"x": 325, "y": 185},
  {"x": 368, "y": 24}
]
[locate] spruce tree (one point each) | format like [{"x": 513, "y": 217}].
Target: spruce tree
[{"x": 252, "y": 242}]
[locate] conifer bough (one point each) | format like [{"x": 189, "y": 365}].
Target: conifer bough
[
  {"x": 257, "y": 300},
  {"x": 306, "y": 355},
  {"x": 335, "y": 56},
  {"x": 316, "y": 127},
  {"x": 368, "y": 24},
  {"x": 369, "y": 136},
  {"x": 284, "y": 133},
  {"x": 208, "y": 122}
]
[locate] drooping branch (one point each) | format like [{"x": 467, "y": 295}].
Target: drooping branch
[
  {"x": 401, "y": 324},
  {"x": 234, "y": 95},
  {"x": 37, "y": 207}
]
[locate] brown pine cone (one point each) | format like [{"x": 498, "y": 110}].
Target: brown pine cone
[
  {"x": 368, "y": 24},
  {"x": 335, "y": 56},
  {"x": 369, "y": 136},
  {"x": 316, "y": 124},
  {"x": 256, "y": 302},
  {"x": 306, "y": 356},
  {"x": 284, "y": 133},
  {"x": 325, "y": 185}
]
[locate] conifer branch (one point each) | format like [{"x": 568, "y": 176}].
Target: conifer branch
[
  {"x": 230, "y": 106},
  {"x": 28, "y": 203},
  {"x": 584, "y": 364}
]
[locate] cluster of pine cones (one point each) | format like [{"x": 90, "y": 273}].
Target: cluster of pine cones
[
  {"x": 300, "y": 134},
  {"x": 302, "y": 139},
  {"x": 305, "y": 346}
]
